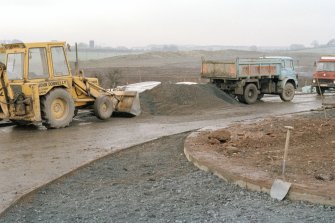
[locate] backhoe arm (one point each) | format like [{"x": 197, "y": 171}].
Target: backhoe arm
[{"x": 4, "y": 98}]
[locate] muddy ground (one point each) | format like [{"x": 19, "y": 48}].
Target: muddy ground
[
  {"x": 260, "y": 146},
  {"x": 154, "y": 182}
]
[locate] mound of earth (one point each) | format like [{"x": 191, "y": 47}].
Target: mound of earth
[
  {"x": 311, "y": 154},
  {"x": 179, "y": 99}
]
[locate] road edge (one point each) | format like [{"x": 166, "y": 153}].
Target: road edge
[{"x": 78, "y": 168}]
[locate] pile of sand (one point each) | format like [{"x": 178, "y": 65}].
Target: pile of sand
[{"x": 175, "y": 99}]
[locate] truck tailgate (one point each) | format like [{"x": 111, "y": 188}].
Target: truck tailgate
[{"x": 214, "y": 69}]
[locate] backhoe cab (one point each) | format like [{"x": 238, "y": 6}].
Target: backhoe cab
[{"x": 36, "y": 85}]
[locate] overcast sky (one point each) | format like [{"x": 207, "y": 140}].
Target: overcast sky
[{"x": 142, "y": 22}]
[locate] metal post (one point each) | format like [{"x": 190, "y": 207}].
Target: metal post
[
  {"x": 289, "y": 128},
  {"x": 77, "y": 61},
  {"x": 322, "y": 98}
]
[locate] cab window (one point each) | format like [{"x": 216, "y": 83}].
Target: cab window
[
  {"x": 38, "y": 66},
  {"x": 326, "y": 66},
  {"x": 15, "y": 66},
  {"x": 60, "y": 67},
  {"x": 289, "y": 64},
  {"x": 2, "y": 58}
]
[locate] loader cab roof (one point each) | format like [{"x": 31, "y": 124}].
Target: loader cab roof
[{"x": 10, "y": 46}]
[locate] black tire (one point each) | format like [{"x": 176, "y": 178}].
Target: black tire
[
  {"x": 103, "y": 107},
  {"x": 240, "y": 98},
  {"x": 75, "y": 113},
  {"x": 20, "y": 122},
  {"x": 57, "y": 109},
  {"x": 260, "y": 96},
  {"x": 288, "y": 92},
  {"x": 250, "y": 94},
  {"x": 320, "y": 90}
]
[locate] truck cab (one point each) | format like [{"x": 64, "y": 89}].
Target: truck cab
[
  {"x": 324, "y": 75},
  {"x": 287, "y": 68}
]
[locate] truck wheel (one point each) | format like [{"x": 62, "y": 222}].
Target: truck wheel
[
  {"x": 103, "y": 107},
  {"x": 320, "y": 90},
  {"x": 260, "y": 96},
  {"x": 57, "y": 109},
  {"x": 288, "y": 92},
  {"x": 250, "y": 94},
  {"x": 240, "y": 98}
]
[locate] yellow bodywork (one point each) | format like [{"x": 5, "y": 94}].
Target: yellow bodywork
[{"x": 21, "y": 95}]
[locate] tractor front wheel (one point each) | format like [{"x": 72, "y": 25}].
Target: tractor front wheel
[{"x": 103, "y": 107}]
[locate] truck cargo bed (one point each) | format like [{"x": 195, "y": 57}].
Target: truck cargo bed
[{"x": 240, "y": 68}]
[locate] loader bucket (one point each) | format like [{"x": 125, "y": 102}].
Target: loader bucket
[{"x": 129, "y": 103}]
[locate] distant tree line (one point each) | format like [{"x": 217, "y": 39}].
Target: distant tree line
[
  {"x": 314, "y": 44},
  {"x": 330, "y": 43}
]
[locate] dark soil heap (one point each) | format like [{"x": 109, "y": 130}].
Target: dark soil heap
[
  {"x": 180, "y": 99},
  {"x": 311, "y": 156}
]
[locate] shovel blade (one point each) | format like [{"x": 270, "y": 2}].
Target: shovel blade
[
  {"x": 129, "y": 102},
  {"x": 279, "y": 189}
]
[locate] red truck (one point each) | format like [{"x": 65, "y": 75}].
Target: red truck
[{"x": 324, "y": 76}]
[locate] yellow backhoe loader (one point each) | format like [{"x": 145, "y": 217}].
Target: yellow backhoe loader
[{"x": 36, "y": 85}]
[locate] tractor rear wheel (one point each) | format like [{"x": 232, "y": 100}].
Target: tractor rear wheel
[
  {"x": 20, "y": 122},
  {"x": 57, "y": 109},
  {"x": 103, "y": 107}
]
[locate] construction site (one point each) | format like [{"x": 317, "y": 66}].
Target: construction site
[{"x": 166, "y": 137}]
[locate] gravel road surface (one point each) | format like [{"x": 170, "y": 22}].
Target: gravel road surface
[{"x": 154, "y": 182}]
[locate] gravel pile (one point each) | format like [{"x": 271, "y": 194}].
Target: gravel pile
[
  {"x": 154, "y": 182},
  {"x": 178, "y": 99}
]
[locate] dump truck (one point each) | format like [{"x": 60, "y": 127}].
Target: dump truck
[
  {"x": 37, "y": 86},
  {"x": 249, "y": 79},
  {"x": 324, "y": 76}
]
